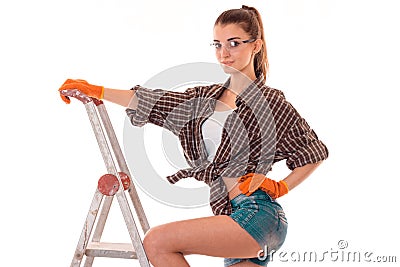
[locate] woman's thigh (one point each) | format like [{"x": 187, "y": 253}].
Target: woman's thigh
[{"x": 218, "y": 236}]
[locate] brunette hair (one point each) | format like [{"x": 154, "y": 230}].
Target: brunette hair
[{"x": 250, "y": 20}]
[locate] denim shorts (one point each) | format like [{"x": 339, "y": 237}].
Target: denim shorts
[{"x": 263, "y": 218}]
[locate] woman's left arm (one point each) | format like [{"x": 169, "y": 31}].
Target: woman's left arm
[
  {"x": 298, "y": 145},
  {"x": 299, "y": 174}
]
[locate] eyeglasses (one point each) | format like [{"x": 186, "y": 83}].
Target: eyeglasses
[{"x": 230, "y": 45}]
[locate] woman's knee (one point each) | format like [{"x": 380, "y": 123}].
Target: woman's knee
[{"x": 152, "y": 241}]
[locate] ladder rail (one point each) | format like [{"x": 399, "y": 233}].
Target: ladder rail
[
  {"x": 122, "y": 163},
  {"x": 84, "y": 238},
  {"x": 98, "y": 231},
  {"x": 111, "y": 168}
]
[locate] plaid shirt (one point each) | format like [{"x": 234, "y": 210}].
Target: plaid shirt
[{"x": 264, "y": 129}]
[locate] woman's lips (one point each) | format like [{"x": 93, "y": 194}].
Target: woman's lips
[{"x": 227, "y": 63}]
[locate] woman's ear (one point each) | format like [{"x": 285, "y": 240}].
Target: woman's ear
[{"x": 258, "y": 45}]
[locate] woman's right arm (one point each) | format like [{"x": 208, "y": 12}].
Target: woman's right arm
[
  {"x": 125, "y": 98},
  {"x": 168, "y": 109}
]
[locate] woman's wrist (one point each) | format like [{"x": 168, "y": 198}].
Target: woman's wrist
[{"x": 120, "y": 97}]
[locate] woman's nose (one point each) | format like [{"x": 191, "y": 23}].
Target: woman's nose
[{"x": 224, "y": 52}]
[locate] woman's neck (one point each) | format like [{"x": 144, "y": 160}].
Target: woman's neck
[{"x": 240, "y": 81}]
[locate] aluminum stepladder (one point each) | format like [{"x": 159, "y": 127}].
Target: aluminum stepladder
[{"x": 89, "y": 245}]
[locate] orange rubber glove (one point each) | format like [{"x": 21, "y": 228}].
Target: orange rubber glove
[
  {"x": 82, "y": 86},
  {"x": 253, "y": 181}
]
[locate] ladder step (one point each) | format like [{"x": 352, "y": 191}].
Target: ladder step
[{"x": 111, "y": 250}]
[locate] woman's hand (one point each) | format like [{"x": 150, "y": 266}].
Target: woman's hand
[
  {"x": 82, "y": 86},
  {"x": 253, "y": 181}
]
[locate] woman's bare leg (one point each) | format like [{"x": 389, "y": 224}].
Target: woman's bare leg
[{"x": 218, "y": 236}]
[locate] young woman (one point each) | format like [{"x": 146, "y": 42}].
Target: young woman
[{"x": 231, "y": 135}]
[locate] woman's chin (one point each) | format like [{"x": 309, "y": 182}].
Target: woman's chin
[{"x": 228, "y": 69}]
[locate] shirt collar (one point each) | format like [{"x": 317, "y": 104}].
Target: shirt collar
[
  {"x": 246, "y": 95},
  {"x": 251, "y": 91}
]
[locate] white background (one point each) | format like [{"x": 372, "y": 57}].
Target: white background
[{"x": 336, "y": 61}]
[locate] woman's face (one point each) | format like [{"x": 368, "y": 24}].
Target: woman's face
[{"x": 231, "y": 52}]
